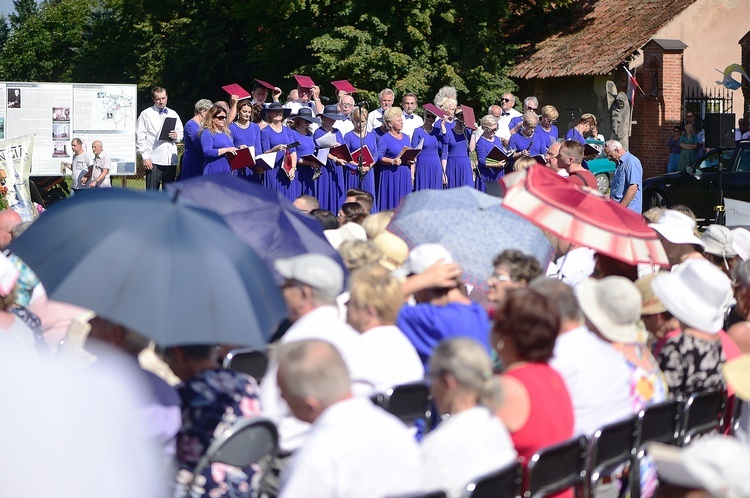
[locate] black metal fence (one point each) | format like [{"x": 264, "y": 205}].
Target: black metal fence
[{"x": 704, "y": 101}]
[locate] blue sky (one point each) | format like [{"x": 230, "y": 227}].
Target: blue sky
[{"x": 6, "y": 7}]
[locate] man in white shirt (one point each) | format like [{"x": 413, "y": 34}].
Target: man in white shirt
[
  {"x": 79, "y": 165},
  {"x": 98, "y": 173},
  {"x": 159, "y": 156},
  {"x": 374, "y": 302},
  {"x": 597, "y": 376},
  {"x": 375, "y": 118},
  {"x": 312, "y": 282},
  {"x": 411, "y": 120},
  {"x": 346, "y": 106},
  {"x": 507, "y": 112},
  {"x": 354, "y": 448}
]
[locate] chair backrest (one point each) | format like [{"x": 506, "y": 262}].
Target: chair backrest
[
  {"x": 249, "y": 361},
  {"x": 408, "y": 402},
  {"x": 659, "y": 423},
  {"x": 556, "y": 468},
  {"x": 609, "y": 448},
  {"x": 244, "y": 443},
  {"x": 504, "y": 483},
  {"x": 701, "y": 413},
  {"x": 737, "y": 409}
]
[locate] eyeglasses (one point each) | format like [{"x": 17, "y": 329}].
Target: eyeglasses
[
  {"x": 346, "y": 105},
  {"x": 220, "y": 117},
  {"x": 499, "y": 278},
  {"x": 552, "y": 156}
]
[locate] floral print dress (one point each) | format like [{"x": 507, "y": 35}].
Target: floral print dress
[{"x": 213, "y": 401}]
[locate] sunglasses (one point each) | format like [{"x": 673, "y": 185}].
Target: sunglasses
[
  {"x": 220, "y": 117},
  {"x": 505, "y": 100}
]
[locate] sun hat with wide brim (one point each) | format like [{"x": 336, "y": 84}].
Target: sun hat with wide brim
[
  {"x": 650, "y": 304},
  {"x": 696, "y": 293},
  {"x": 677, "y": 228},
  {"x": 613, "y": 306},
  {"x": 306, "y": 114},
  {"x": 332, "y": 112},
  {"x": 275, "y": 106}
]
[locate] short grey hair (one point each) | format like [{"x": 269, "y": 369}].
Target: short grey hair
[
  {"x": 613, "y": 145},
  {"x": 561, "y": 294},
  {"x": 489, "y": 120},
  {"x": 386, "y": 91},
  {"x": 468, "y": 362},
  {"x": 314, "y": 368},
  {"x": 446, "y": 92},
  {"x": 203, "y": 105},
  {"x": 531, "y": 100}
]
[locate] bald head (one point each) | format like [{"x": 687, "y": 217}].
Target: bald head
[{"x": 8, "y": 220}]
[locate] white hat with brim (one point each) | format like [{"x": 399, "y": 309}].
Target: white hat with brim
[
  {"x": 347, "y": 231},
  {"x": 741, "y": 242},
  {"x": 717, "y": 464},
  {"x": 717, "y": 240},
  {"x": 696, "y": 293},
  {"x": 613, "y": 305},
  {"x": 424, "y": 256},
  {"x": 677, "y": 228}
]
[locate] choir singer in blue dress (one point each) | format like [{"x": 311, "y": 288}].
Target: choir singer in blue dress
[{"x": 395, "y": 176}]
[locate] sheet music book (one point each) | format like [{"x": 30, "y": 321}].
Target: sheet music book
[
  {"x": 408, "y": 154},
  {"x": 420, "y": 145},
  {"x": 320, "y": 161},
  {"x": 266, "y": 161},
  {"x": 341, "y": 152},
  {"x": 166, "y": 127},
  {"x": 367, "y": 158},
  {"x": 540, "y": 159},
  {"x": 327, "y": 141},
  {"x": 590, "y": 150},
  {"x": 495, "y": 157},
  {"x": 243, "y": 159},
  {"x": 235, "y": 89}
]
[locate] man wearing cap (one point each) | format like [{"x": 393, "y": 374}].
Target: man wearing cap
[
  {"x": 311, "y": 284},
  {"x": 443, "y": 309},
  {"x": 411, "y": 120},
  {"x": 354, "y": 448},
  {"x": 159, "y": 156},
  {"x": 375, "y": 118},
  {"x": 677, "y": 234},
  {"x": 627, "y": 182},
  {"x": 374, "y": 302},
  {"x": 597, "y": 377}
]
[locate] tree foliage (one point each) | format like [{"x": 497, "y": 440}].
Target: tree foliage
[{"x": 193, "y": 47}]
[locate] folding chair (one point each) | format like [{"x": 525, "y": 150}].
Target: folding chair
[
  {"x": 243, "y": 444},
  {"x": 609, "y": 449},
  {"x": 737, "y": 410},
  {"x": 505, "y": 483},
  {"x": 249, "y": 361},
  {"x": 408, "y": 402},
  {"x": 557, "y": 468},
  {"x": 701, "y": 413},
  {"x": 656, "y": 423}
]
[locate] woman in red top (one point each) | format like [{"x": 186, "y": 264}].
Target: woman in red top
[{"x": 537, "y": 409}]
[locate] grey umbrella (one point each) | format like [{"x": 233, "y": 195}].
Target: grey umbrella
[{"x": 174, "y": 273}]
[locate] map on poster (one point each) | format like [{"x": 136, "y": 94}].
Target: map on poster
[{"x": 58, "y": 112}]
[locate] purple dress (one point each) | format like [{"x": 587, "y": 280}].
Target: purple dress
[
  {"x": 486, "y": 174},
  {"x": 458, "y": 168},
  {"x": 550, "y": 136},
  {"x": 277, "y": 178},
  {"x": 249, "y": 136},
  {"x": 192, "y": 158},
  {"x": 395, "y": 181},
  {"x": 331, "y": 186},
  {"x": 305, "y": 173},
  {"x": 352, "y": 141},
  {"x": 574, "y": 134},
  {"x": 214, "y": 164},
  {"x": 535, "y": 144},
  {"x": 429, "y": 173}
]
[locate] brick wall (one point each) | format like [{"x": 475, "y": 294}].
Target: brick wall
[{"x": 660, "y": 110}]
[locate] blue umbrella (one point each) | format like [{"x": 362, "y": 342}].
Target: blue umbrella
[
  {"x": 174, "y": 273},
  {"x": 260, "y": 216},
  {"x": 472, "y": 225}
]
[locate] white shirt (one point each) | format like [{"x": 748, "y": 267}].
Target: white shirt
[
  {"x": 162, "y": 152},
  {"x": 344, "y": 126},
  {"x": 355, "y": 450},
  {"x": 102, "y": 162},
  {"x": 394, "y": 357},
  {"x": 468, "y": 445},
  {"x": 411, "y": 124},
  {"x": 503, "y": 130},
  {"x": 597, "y": 376},
  {"x": 322, "y": 323},
  {"x": 374, "y": 119},
  {"x": 80, "y": 165}
]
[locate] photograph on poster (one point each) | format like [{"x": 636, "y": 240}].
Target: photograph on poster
[
  {"x": 60, "y": 149},
  {"x": 14, "y": 98},
  {"x": 61, "y": 114},
  {"x": 60, "y": 131}
]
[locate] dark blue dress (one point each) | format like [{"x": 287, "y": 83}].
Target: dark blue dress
[
  {"x": 395, "y": 181},
  {"x": 277, "y": 178},
  {"x": 574, "y": 134},
  {"x": 249, "y": 136},
  {"x": 331, "y": 186},
  {"x": 486, "y": 174},
  {"x": 429, "y": 173},
  {"x": 214, "y": 164},
  {"x": 458, "y": 168},
  {"x": 305, "y": 173},
  {"x": 352, "y": 141},
  {"x": 535, "y": 144},
  {"x": 550, "y": 136},
  {"x": 192, "y": 158}
]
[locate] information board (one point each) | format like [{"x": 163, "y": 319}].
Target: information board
[{"x": 58, "y": 112}]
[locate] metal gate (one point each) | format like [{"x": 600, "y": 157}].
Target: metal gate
[{"x": 707, "y": 100}]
